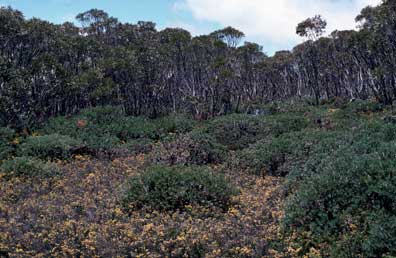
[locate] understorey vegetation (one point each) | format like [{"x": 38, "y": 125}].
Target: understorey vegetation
[{"x": 295, "y": 181}]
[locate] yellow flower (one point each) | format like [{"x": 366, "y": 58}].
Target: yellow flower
[
  {"x": 332, "y": 110},
  {"x": 148, "y": 227},
  {"x": 181, "y": 237},
  {"x": 233, "y": 211},
  {"x": 16, "y": 141},
  {"x": 118, "y": 211}
]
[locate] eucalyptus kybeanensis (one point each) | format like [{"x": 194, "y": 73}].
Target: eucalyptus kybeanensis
[{"x": 48, "y": 69}]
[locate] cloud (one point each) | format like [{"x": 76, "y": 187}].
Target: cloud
[{"x": 273, "y": 22}]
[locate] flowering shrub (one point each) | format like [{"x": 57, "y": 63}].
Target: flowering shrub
[
  {"x": 172, "y": 188},
  {"x": 79, "y": 214}
]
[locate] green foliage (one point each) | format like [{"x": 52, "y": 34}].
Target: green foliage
[
  {"x": 142, "y": 145},
  {"x": 194, "y": 148},
  {"x": 29, "y": 167},
  {"x": 344, "y": 194},
  {"x": 279, "y": 156},
  {"x": 172, "y": 188},
  {"x": 267, "y": 157},
  {"x": 235, "y": 131},
  {"x": 102, "y": 114},
  {"x": 205, "y": 149},
  {"x": 108, "y": 132},
  {"x": 53, "y": 146},
  {"x": 106, "y": 127},
  {"x": 360, "y": 106},
  {"x": 6, "y": 148},
  {"x": 238, "y": 131}
]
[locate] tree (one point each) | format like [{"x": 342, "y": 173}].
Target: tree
[
  {"x": 232, "y": 37},
  {"x": 312, "y": 28},
  {"x": 308, "y": 54}
]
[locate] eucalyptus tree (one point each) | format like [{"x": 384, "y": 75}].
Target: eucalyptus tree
[{"x": 308, "y": 53}]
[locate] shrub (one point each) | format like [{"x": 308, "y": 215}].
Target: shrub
[
  {"x": 172, "y": 188},
  {"x": 236, "y": 131},
  {"x": 27, "y": 166},
  {"x": 143, "y": 145},
  {"x": 112, "y": 122},
  {"x": 53, "y": 146},
  {"x": 286, "y": 123},
  {"x": 175, "y": 124},
  {"x": 362, "y": 106},
  {"x": 6, "y": 148},
  {"x": 266, "y": 157},
  {"x": 195, "y": 148},
  {"x": 155, "y": 129},
  {"x": 278, "y": 156},
  {"x": 239, "y": 131},
  {"x": 102, "y": 114},
  {"x": 100, "y": 142},
  {"x": 347, "y": 202}
]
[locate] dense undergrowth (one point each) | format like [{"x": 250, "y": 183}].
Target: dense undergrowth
[{"x": 295, "y": 181}]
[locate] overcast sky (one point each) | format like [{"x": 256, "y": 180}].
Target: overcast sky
[{"x": 270, "y": 23}]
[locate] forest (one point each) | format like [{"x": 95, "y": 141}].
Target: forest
[
  {"x": 120, "y": 140},
  {"x": 48, "y": 70}
]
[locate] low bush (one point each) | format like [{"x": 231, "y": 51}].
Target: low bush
[
  {"x": 172, "y": 188},
  {"x": 195, "y": 148},
  {"x": 53, "y": 146},
  {"x": 239, "y": 131},
  {"x": 112, "y": 124},
  {"x": 267, "y": 157},
  {"x": 143, "y": 145},
  {"x": 363, "y": 106},
  {"x": 28, "y": 166},
  {"x": 236, "y": 131},
  {"x": 278, "y": 156},
  {"x": 6, "y": 148},
  {"x": 346, "y": 201},
  {"x": 102, "y": 114}
]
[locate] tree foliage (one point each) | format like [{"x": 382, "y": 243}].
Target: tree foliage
[{"x": 48, "y": 69}]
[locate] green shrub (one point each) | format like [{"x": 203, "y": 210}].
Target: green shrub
[
  {"x": 172, "y": 188},
  {"x": 363, "y": 106},
  {"x": 53, "y": 146},
  {"x": 28, "y": 166},
  {"x": 278, "y": 156},
  {"x": 195, "y": 148},
  {"x": 115, "y": 126},
  {"x": 236, "y": 131},
  {"x": 175, "y": 124},
  {"x": 286, "y": 123},
  {"x": 239, "y": 131},
  {"x": 347, "y": 201},
  {"x": 143, "y": 145},
  {"x": 102, "y": 114},
  {"x": 266, "y": 157},
  {"x": 155, "y": 129},
  {"x": 6, "y": 148},
  {"x": 100, "y": 142}
]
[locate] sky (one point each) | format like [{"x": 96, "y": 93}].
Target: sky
[{"x": 270, "y": 23}]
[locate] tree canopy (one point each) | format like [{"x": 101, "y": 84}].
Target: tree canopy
[{"x": 48, "y": 69}]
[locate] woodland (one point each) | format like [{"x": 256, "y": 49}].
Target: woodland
[{"x": 120, "y": 140}]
